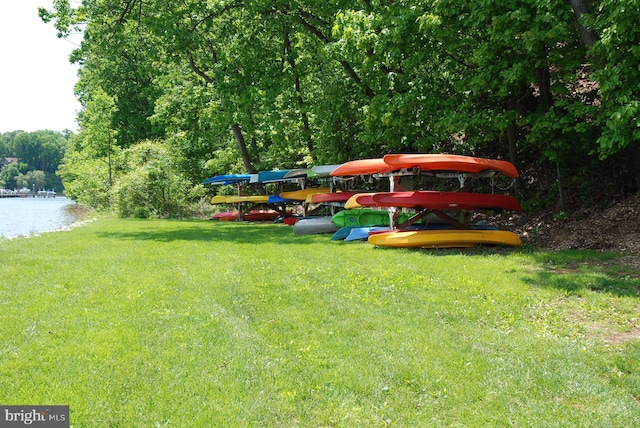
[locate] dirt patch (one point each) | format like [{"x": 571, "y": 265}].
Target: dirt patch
[
  {"x": 623, "y": 337},
  {"x": 616, "y": 228}
]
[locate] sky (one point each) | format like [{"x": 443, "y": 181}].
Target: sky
[{"x": 36, "y": 78}]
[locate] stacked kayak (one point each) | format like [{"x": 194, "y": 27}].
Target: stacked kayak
[
  {"x": 450, "y": 207},
  {"x": 400, "y": 217}
]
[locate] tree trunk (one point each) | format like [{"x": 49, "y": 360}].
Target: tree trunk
[
  {"x": 580, "y": 8},
  {"x": 560, "y": 193},
  {"x": 544, "y": 83},
  {"x": 242, "y": 148},
  {"x": 305, "y": 119},
  {"x": 635, "y": 157}
]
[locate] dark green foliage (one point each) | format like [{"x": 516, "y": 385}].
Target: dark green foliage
[
  {"x": 299, "y": 83},
  {"x": 618, "y": 51}
]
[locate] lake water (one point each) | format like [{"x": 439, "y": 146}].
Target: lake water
[{"x": 26, "y": 216}]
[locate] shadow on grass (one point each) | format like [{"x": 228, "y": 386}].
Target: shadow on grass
[
  {"x": 479, "y": 250},
  {"x": 210, "y": 231},
  {"x": 575, "y": 271}
]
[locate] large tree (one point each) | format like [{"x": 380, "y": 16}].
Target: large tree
[
  {"x": 280, "y": 84},
  {"x": 616, "y": 55}
]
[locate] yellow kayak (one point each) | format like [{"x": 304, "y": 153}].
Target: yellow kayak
[
  {"x": 352, "y": 202},
  {"x": 301, "y": 195},
  {"x": 219, "y": 199},
  {"x": 444, "y": 238},
  {"x": 252, "y": 198}
]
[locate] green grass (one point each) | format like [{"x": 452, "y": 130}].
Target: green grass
[{"x": 196, "y": 323}]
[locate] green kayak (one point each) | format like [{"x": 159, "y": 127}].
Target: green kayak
[{"x": 365, "y": 217}]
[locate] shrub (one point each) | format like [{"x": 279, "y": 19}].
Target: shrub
[{"x": 148, "y": 183}]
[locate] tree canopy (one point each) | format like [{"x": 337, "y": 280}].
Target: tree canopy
[
  {"x": 237, "y": 86},
  {"x": 38, "y": 153}
]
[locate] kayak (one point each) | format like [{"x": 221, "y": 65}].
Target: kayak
[
  {"x": 314, "y": 224},
  {"x": 261, "y": 215},
  {"x": 258, "y": 199},
  {"x": 219, "y": 199},
  {"x": 444, "y": 238},
  {"x": 247, "y": 198},
  {"x": 228, "y": 179},
  {"x": 301, "y": 195},
  {"x": 277, "y": 199},
  {"x": 318, "y": 198},
  {"x": 270, "y": 176},
  {"x": 362, "y": 167},
  {"x": 362, "y": 233},
  {"x": 444, "y": 162},
  {"x": 226, "y": 216},
  {"x": 290, "y": 220},
  {"x": 434, "y": 200},
  {"x": 365, "y": 217},
  {"x": 342, "y": 233},
  {"x": 360, "y": 200},
  {"x": 322, "y": 170}
]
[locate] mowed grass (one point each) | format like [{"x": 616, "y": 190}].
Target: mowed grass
[{"x": 196, "y": 323}]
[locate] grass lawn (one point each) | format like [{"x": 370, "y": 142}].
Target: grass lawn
[{"x": 144, "y": 323}]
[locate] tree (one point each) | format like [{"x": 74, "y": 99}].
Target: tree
[
  {"x": 87, "y": 167},
  {"x": 31, "y": 180},
  {"x": 259, "y": 85},
  {"x": 148, "y": 183},
  {"x": 85, "y": 178},
  {"x": 97, "y": 137},
  {"x": 618, "y": 53},
  {"x": 41, "y": 150},
  {"x": 8, "y": 176}
]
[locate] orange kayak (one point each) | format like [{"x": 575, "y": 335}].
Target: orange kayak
[
  {"x": 444, "y": 162},
  {"x": 362, "y": 167}
]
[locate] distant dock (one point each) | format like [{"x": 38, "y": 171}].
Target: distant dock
[{"x": 26, "y": 193}]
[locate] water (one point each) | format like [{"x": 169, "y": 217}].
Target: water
[{"x": 27, "y": 216}]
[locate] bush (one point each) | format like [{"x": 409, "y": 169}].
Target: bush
[
  {"x": 148, "y": 183},
  {"x": 86, "y": 180}
]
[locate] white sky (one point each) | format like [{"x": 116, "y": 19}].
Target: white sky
[{"x": 36, "y": 78}]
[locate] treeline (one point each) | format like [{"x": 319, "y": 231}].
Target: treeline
[
  {"x": 35, "y": 157},
  {"x": 230, "y": 86}
]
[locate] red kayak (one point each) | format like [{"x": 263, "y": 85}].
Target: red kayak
[
  {"x": 290, "y": 221},
  {"x": 261, "y": 215},
  {"x": 366, "y": 200},
  {"x": 434, "y": 200},
  {"x": 226, "y": 216}
]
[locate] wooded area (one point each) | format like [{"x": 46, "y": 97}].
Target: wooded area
[
  {"x": 229, "y": 86},
  {"x": 31, "y": 159}
]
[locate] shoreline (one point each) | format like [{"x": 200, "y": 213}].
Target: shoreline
[
  {"x": 21, "y": 222},
  {"x": 66, "y": 228}
]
